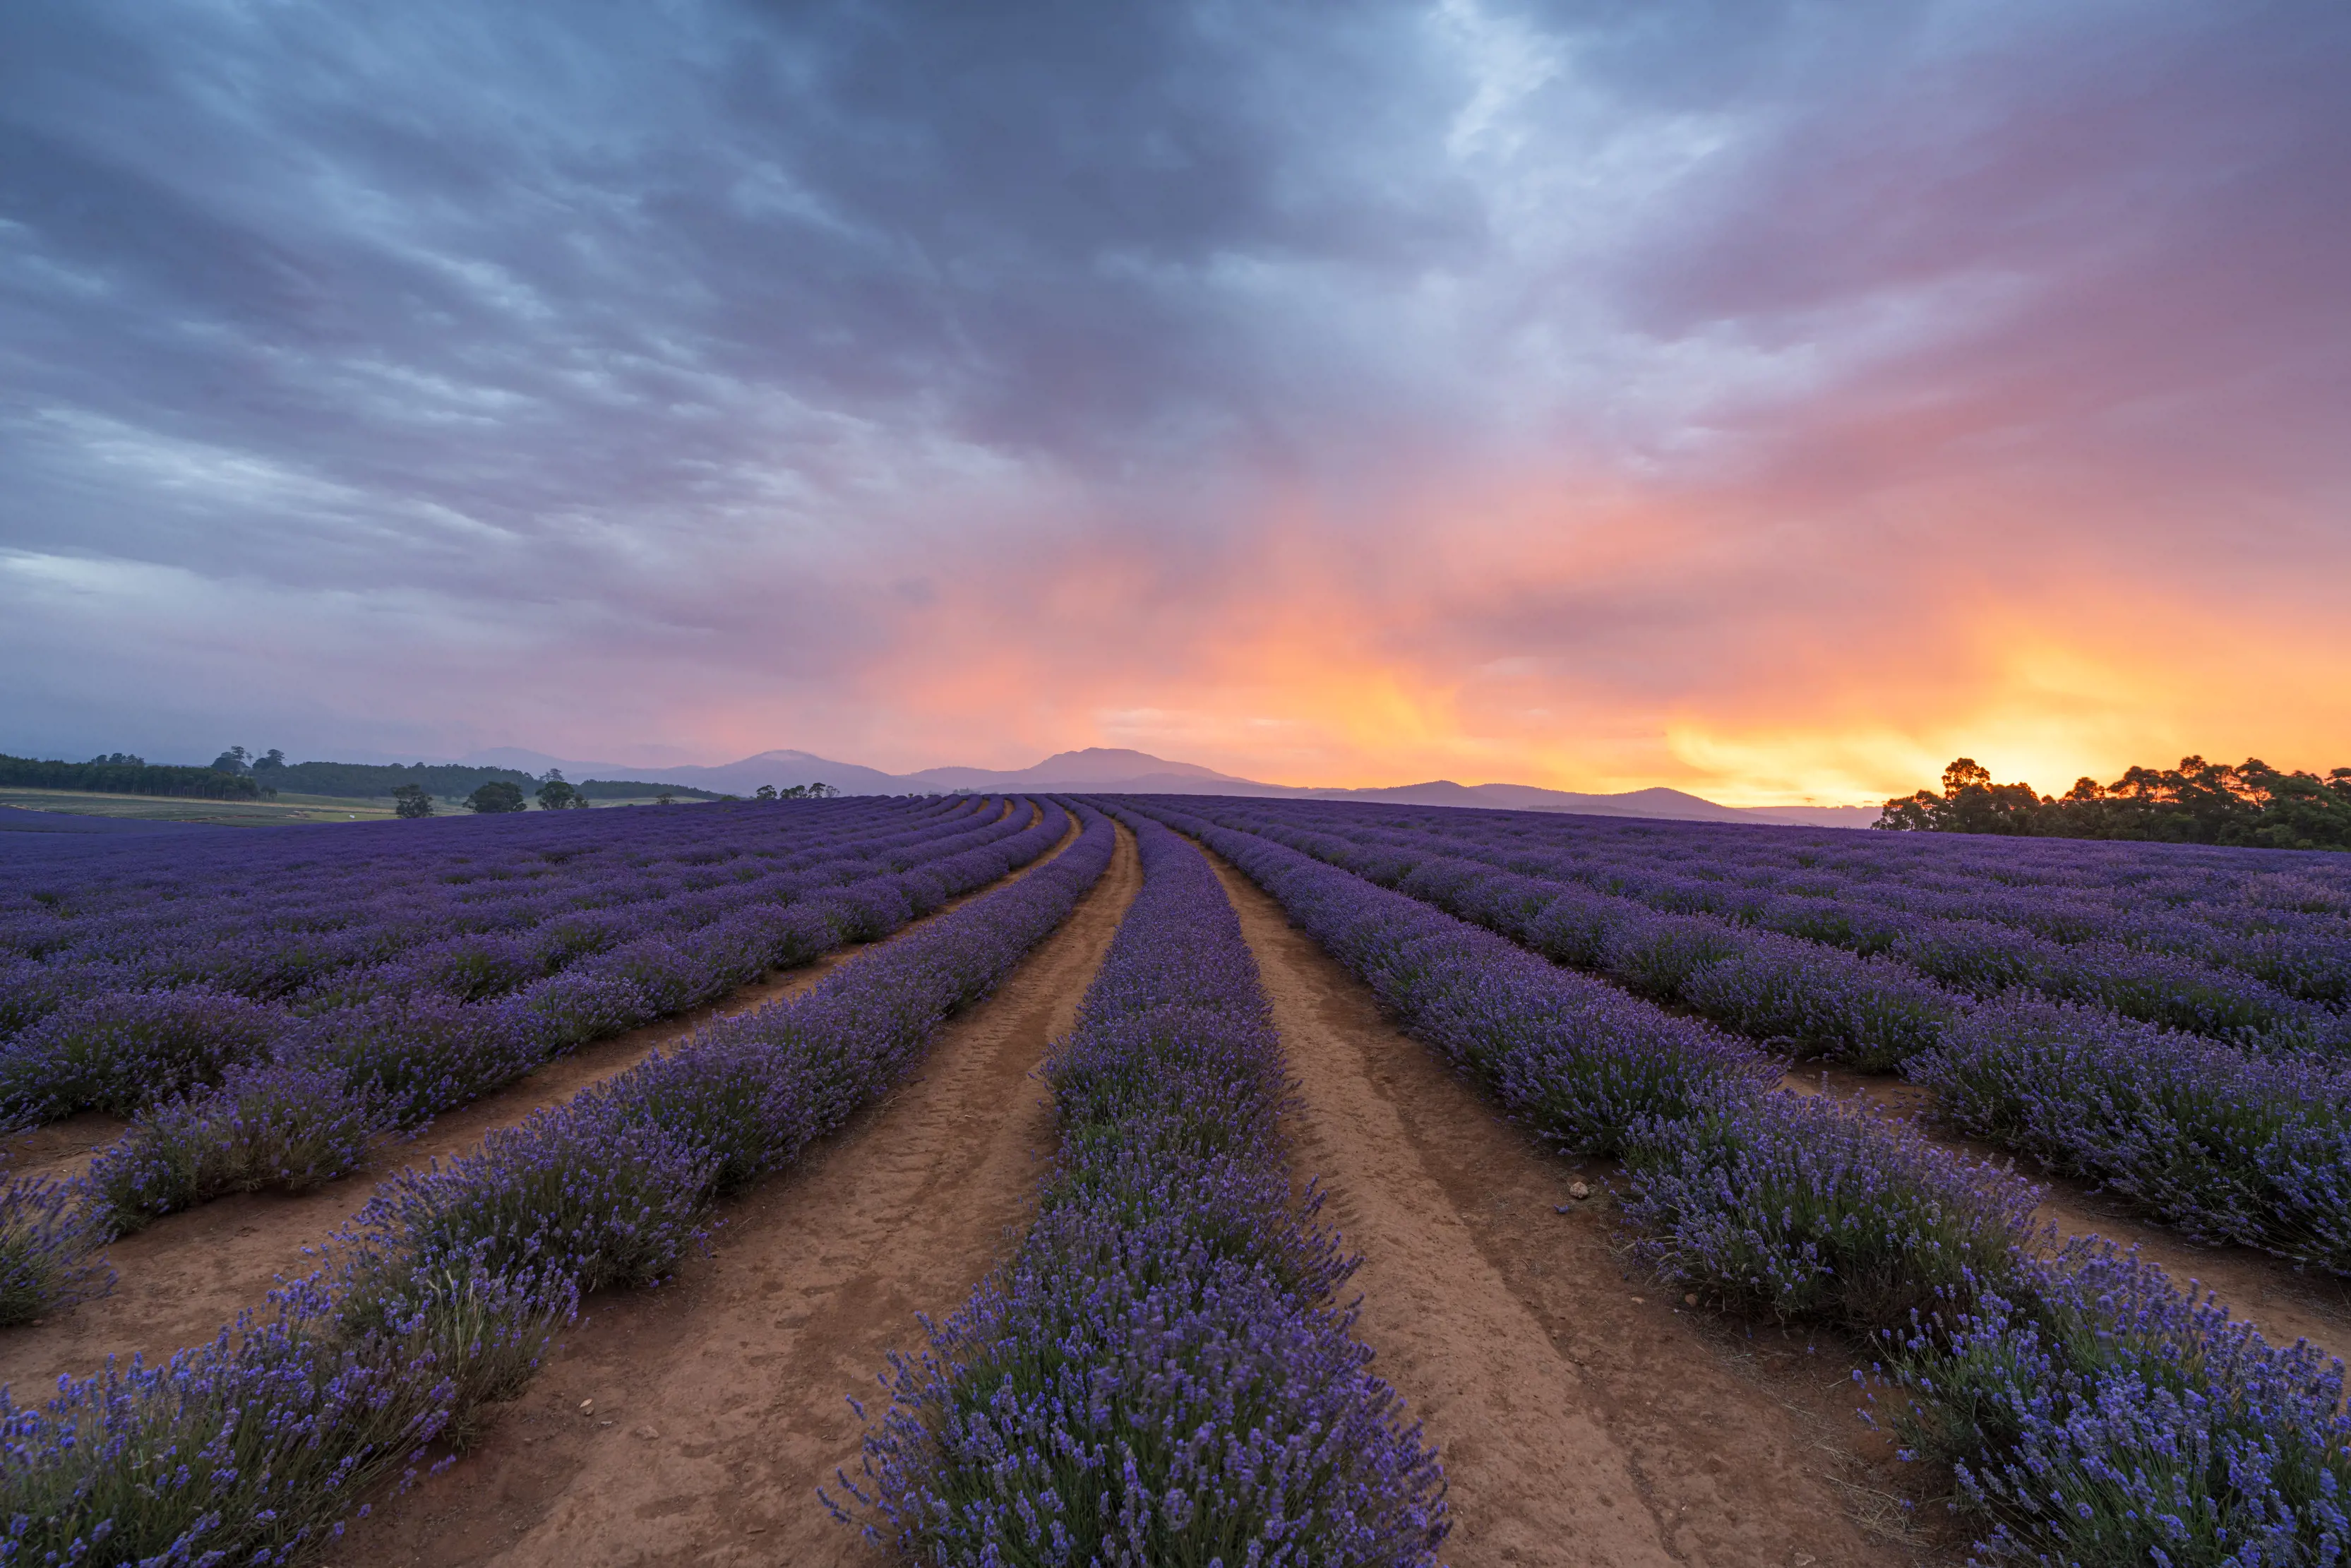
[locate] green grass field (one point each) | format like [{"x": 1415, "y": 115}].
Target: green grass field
[{"x": 285, "y": 810}]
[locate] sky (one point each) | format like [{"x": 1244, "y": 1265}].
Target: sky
[{"x": 1772, "y": 401}]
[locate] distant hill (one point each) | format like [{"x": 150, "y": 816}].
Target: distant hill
[
  {"x": 1671, "y": 805},
  {"x": 1095, "y": 767},
  {"x": 1103, "y": 769},
  {"x": 781, "y": 769},
  {"x": 1119, "y": 770}
]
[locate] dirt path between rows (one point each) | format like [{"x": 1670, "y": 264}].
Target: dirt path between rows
[
  {"x": 2286, "y": 1304},
  {"x": 181, "y": 1278},
  {"x": 1582, "y": 1416},
  {"x": 720, "y": 1401}
]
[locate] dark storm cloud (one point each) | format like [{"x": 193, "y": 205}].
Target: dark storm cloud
[{"x": 766, "y": 352}]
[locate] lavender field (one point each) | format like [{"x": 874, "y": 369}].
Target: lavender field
[
  {"x": 259, "y": 1010},
  {"x": 2170, "y": 1022},
  {"x": 1160, "y": 1361},
  {"x": 2107, "y": 1010}
]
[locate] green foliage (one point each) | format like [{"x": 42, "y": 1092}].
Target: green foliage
[
  {"x": 636, "y": 790},
  {"x": 498, "y": 795},
  {"x": 411, "y": 800},
  {"x": 555, "y": 795},
  {"x": 123, "y": 774},
  {"x": 2251, "y": 806},
  {"x": 363, "y": 780}
]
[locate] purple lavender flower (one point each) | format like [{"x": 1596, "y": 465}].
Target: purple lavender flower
[
  {"x": 48, "y": 1234},
  {"x": 267, "y": 1125},
  {"x": 1159, "y": 1374}
]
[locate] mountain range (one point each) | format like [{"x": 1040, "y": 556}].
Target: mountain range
[{"x": 1116, "y": 770}]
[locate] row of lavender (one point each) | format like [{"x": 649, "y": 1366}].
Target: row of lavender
[
  {"x": 2225, "y": 888},
  {"x": 2089, "y": 1410},
  {"x": 2132, "y": 935},
  {"x": 115, "y": 1008},
  {"x": 296, "y": 1106},
  {"x": 313, "y": 924},
  {"x": 444, "y": 1291},
  {"x": 2225, "y": 1141},
  {"x": 274, "y": 917},
  {"x": 1158, "y": 1375},
  {"x": 2229, "y": 969}
]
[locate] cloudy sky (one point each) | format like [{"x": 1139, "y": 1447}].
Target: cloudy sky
[{"x": 1768, "y": 399}]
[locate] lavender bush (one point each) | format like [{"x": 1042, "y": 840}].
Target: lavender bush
[
  {"x": 1814, "y": 1209},
  {"x": 446, "y": 1288},
  {"x": 2090, "y": 1412},
  {"x": 608, "y": 1187},
  {"x": 2228, "y": 1146},
  {"x": 2094, "y": 1414},
  {"x": 1158, "y": 1376},
  {"x": 413, "y": 1052},
  {"x": 273, "y": 1125},
  {"x": 251, "y": 1448},
  {"x": 48, "y": 1234},
  {"x": 418, "y": 1056},
  {"x": 121, "y": 1051}
]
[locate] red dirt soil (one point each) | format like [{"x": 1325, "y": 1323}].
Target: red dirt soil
[
  {"x": 184, "y": 1276},
  {"x": 1581, "y": 1415},
  {"x": 720, "y": 1401}
]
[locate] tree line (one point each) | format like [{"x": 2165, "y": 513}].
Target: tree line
[
  {"x": 119, "y": 773},
  {"x": 2248, "y": 804},
  {"x": 372, "y": 781},
  {"x": 238, "y": 774}
]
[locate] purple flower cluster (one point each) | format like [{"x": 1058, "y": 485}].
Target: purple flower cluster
[
  {"x": 267, "y": 1125},
  {"x": 1811, "y": 1209},
  {"x": 2219, "y": 958},
  {"x": 252, "y": 1448},
  {"x": 1159, "y": 1374},
  {"x": 2228, "y": 1146},
  {"x": 2092, "y": 1412},
  {"x": 121, "y": 1051},
  {"x": 2227, "y": 1141},
  {"x": 448, "y": 1284},
  {"x": 238, "y": 1096},
  {"x": 2097, "y": 1415},
  {"x": 1690, "y": 1111},
  {"x": 47, "y": 1236},
  {"x": 607, "y": 1188}
]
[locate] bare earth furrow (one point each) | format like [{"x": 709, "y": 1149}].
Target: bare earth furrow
[
  {"x": 1580, "y": 1417},
  {"x": 720, "y": 1401}
]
